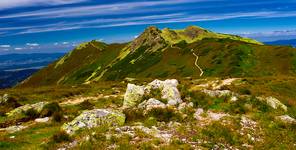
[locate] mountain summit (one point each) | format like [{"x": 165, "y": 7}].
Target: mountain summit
[{"x": 168, "y": 53}]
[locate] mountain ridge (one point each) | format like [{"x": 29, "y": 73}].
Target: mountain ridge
[{"x": 161, "y": 53}]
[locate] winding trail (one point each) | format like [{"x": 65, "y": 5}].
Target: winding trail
[{"x": 196, "y": 63}]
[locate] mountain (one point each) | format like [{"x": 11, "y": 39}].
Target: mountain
[
  {"x": 15, "y": 68},
  {"x": 168, "y": 53},
  {"x": 283, "y": 42}
]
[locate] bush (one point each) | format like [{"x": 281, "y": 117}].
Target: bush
[
  {"x": 86, "y": 105},
  {"x": 61, "y": 136},
  {"x": 245, "y": 91},
  {"x": 50, "y": 109},
  {"x": 164, "y": 114},
  {"x": 57, "y": 116},
  {"x": 133, "y": 114},
  {"x": 32, "y": 113}
]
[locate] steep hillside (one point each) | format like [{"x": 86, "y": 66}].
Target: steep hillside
[{"x": 169, "y": 53}]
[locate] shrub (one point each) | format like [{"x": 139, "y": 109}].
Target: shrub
[
  {"x": 57, "y": 116},
  {"x": 50, "y": 109},
  {"x": 61, "y": 136},
  {"x": 245, "y": 91},
  {"x": 164, "y": 114},
  {"x": 86, "y": 105},
  {"x": 133, "y": 114},
  {"x": 32, "y": 113}
]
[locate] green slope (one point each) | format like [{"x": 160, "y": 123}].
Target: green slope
[{"x": 169, "y": 53}]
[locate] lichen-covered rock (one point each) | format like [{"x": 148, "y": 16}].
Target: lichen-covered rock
[
  {"x": 13, "y": 129},
  {"x": 18, "y": 111},
  {"x": 169, "y": 90},
  {"x": 273, "y": 102},
  {"x": 94, "y": 118},
  {"x": 4, "y": 99},
  {"x": 133, "y": 95},
  {"x": 183, "y": 106},
  {"x": 201, "y": 115},
  {"x": 286, "y": 119},
  {"x": 218, "y": 93},
  {"x": 150, "y": 104}
]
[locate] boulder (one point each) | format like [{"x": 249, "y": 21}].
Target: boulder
[
  {"x": 42, "y": 120},
  {"x": 18, "y": 111},
  {"x": 94, "y": 118},
  {"x": 273, "y": 102},
  {"x": 169, "y": 90},
  {"x": 286, "y": 119},
  {"x": 150, "y": 104},
  {"x": 133, "y": 95}
]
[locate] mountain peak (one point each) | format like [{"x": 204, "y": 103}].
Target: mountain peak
[{"x": 151, "y": 37}]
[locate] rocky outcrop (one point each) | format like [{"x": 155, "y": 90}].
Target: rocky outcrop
[
  {"x": 273, "y": 102},
  {"x": 18, "y": 111},
  {"x": 168, "y": 89},
  {"x": 134, "y": 94},
  {"x": 94, "y": 118},
  {"x": 208, "y": 116}
]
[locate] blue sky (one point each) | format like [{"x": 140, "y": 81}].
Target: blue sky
[{"x": 28, "y": 26}]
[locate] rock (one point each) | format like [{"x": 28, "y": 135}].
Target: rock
[
  {"x": 218, "y": 93},
  {"x": 18, "y": 111},
  {"x": 208, "y": 116},
  {"x": 152, "y": 103},
  {"x": 286, "y": 119},
  {"x": 273, "y": 102},
  {"x": 133, "y": 95},
  {"x": 183, "y": 106},
  {"x": 42, "y": 120},
  {"x": 94, "y": 118},
  {"x": 168, "y": 89},
  {"x": 4, "y": 98},
  {"x": 13, "y": 129}
]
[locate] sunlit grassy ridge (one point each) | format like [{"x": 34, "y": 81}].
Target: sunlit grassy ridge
[{"x": 168, "y": 53}]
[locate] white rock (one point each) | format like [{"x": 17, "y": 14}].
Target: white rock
[
  {"x": 41, "y": 120},
  {"x": 286, "y": 119},
  {"x": 133, "y": 95},
  {"x": 152, "y": 103},
  {"x": 273, "y": 102}
]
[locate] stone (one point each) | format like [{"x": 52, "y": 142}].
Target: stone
[
  {"x": 273, "y": 102},
  {"x": 286, "y": 119},
  {"x": 133, "y": 95},
  {"x": 18, "y": 111},
  {"x": 217, "y": 93},
  {"x": 150, "y": 104},
  {"x": 42, "y": 120},
  {"x": 201, "y": 115},
  {"x": 13, "y": 129},
  {"x": 94, "y": 118},
  {"x": 168, "y": 89}
]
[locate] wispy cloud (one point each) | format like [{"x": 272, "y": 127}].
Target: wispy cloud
[
  {"x": 5, "y": 46},
  {"x": 5, "y": 4},
  {"x": 32, "y": 44}
]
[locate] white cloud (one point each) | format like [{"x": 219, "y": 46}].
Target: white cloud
[
  {"x": 32, "y": 44},
  {"x": 56, "y": 43},
  {"x": 18, "y": 48},
  {"x": 65, "y": 43},
  {"x": 5, "y": 46},
  {"x": 5, "y": 4}
]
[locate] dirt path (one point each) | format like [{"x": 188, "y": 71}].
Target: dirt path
[{"x": 196, "y": 63}]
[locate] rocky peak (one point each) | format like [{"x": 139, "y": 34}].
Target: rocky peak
[
  {"x": 194, "y": 31},
  {"x": 151, "y": 38}
]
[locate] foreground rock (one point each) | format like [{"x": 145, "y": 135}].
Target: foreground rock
[
  {"x": 13, "y": 129},
  {"x": 273, "y": 102},
  {"x": 94, "y": 118},
  {"x": 169, "y": 90},
  {"x": 18, "y": 111},
  {"x": 135, "y": 94},
  {"x": 286, "y": 119}
]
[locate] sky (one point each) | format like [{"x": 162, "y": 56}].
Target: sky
[{"x": 47, "y": 26}]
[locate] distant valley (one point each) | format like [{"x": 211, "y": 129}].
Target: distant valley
[{"x": 14, "y": 68}]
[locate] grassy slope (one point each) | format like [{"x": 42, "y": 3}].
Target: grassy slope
[
  {"x": 154, "y": 54},
  {"x": 76, "y": 66}
]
